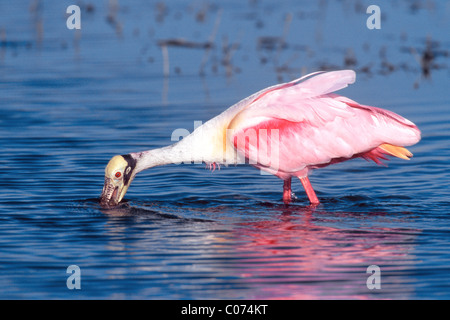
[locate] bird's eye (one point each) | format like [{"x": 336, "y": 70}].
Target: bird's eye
[{"x": 118, "y": 174}]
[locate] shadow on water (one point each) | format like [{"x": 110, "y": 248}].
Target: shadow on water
[{"x": 131, "y": 209}]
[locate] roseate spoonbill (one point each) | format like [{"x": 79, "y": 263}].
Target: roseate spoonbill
[{"x": 287, "y": 130}]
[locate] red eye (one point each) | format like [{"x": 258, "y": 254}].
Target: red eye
[{"x": 118, "y": 174}]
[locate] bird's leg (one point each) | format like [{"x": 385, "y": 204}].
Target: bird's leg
[
  {"x": 309, "y": 191},
  {"x": 287, "y": 191}
]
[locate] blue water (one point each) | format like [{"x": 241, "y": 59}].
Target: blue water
[{"x": 69, "y": 100}]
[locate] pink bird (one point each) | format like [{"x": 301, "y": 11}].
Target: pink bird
[{"x": 287, "y": 130}]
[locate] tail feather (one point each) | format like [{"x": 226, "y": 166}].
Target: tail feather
[
  {"x": 396, "y": 151},
  {"x": 378, "y": 154}
]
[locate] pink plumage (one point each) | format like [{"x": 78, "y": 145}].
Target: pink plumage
[{"x": 292, "y": 128}]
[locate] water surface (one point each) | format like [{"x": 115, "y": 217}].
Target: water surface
[{"x": 69, "y": 100}]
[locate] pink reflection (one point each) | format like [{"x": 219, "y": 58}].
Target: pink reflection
[{"x": 298, "y": 256}]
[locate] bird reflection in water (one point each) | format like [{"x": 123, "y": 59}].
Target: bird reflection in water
[
  {"x": 291, "y": 255},
  {"x": 281, "y": 253}
]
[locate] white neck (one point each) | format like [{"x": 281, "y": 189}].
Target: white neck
[
  {"x": 186, "y": 151},
  {"x": 158, "y": 157}
]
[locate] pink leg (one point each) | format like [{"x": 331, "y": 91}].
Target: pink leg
[
  {"x": 309, "y": 191},
  {"x": 287, "y": 191}
]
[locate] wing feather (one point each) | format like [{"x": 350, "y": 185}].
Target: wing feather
[{"x": 308, "y": 125}]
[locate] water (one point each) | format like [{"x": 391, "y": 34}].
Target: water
[{"x": 70, "y": 100}]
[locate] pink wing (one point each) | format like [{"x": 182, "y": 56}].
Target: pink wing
[{"x": 293, "y": 127}]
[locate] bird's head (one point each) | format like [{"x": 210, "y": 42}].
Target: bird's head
[{"x": 119, "y": 173}]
